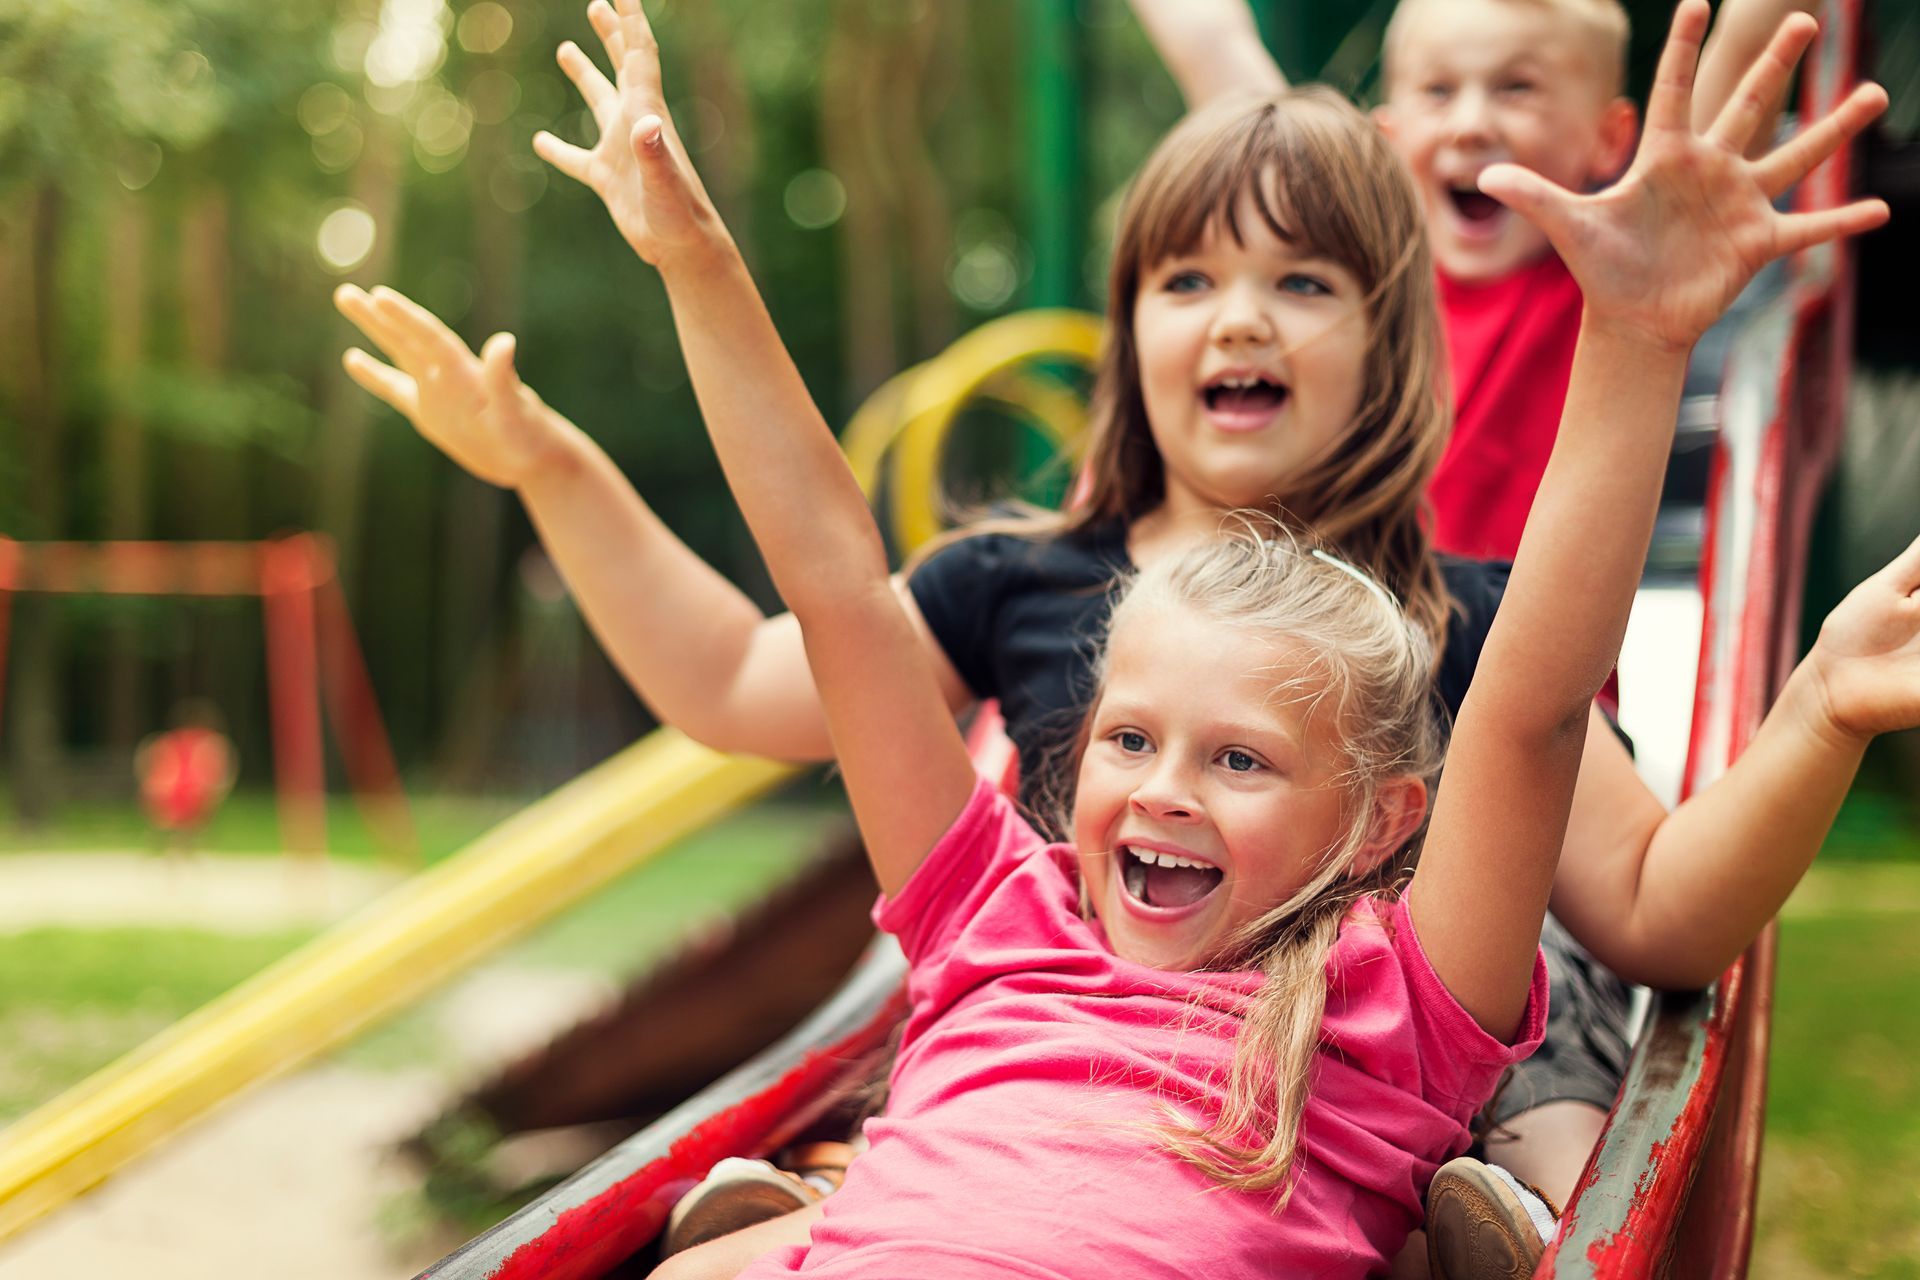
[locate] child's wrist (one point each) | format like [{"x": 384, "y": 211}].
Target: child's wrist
[
  {"x": 1807, "y": 695},
  {"x": 562, "y": 455},
  {"x": 1636, "y": 340},
  {"x": 710, "y": 253}
]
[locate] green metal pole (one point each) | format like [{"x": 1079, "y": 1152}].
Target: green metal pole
[
  {"x": 1304, "y": 36},
  {"x": 1054, "y": 90}
]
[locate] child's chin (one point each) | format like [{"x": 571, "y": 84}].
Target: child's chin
[{"x": 1470, "y": 263}]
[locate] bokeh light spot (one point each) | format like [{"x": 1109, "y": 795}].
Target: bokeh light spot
[
  {"x": 493, "y": 96},
  {"x": 815, "y": 199},
  {"x": 346, "y": 237},
  {"x": 139, "y": 163},
  {"x": 484, "y": 28},
  {"x": 324, "y": 108},
  {"x": 517, "y": 183},
  {"x": 984, "y": 275},
  {"x": 336, "y": 151},
  {"x": 699, "y": 122}
]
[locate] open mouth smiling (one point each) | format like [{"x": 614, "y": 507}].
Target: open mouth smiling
[
  {"x": 1474, "y": 206},
  {"x": 1161, "y": 881},
  {"x": 1243, "y": 400}
]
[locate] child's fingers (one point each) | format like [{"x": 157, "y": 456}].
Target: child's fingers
[
  {"x": 1670, "y": 104},
  {"x": 353, "y": 303},
  {"x": 496, "y": 365},
  {"x": 597, "y": 91},
  {"x": 575, "y": 162},
  {"x": 1797, "y": 231},
  {"x": 606, "y": 24},
  {"x": 640, "y": 67},
  {"x": 1797, "y": 157},
  {"x": 394, "y": 330},
  {"x": 438, "y": 344},
  {"x": 1752, "y": 103},
  {"x": 1537, "y": 199},
  {"x": 382, "y": 381},
  {"x": 1903, "y": 572}
]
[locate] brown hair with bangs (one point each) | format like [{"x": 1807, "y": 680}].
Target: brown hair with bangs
[{"x": 1323, "y": 177}]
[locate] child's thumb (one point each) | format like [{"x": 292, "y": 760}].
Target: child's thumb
[
  {"x": 1533, "y": 197},
  {"x": 496, "y": 359},
  {"x": 649, "y": 139}
]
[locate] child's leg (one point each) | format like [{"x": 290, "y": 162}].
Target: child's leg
[
  {"x": 1547, "y": 1119},
  {"x": 727, "y": 1256}
]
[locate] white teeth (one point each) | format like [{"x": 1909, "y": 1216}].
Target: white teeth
[
  {"x": 1239, "y": 382},
  {"x": 1153, "y": 857}
]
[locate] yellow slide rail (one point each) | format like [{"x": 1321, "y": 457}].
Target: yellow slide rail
[{"x": 547, "y": 857}]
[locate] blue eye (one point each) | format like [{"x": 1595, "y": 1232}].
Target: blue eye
[
  {"x": 1184, "y": 282},
  {"x": 1514, "y": 88},
  {"x": 1239, "y": 761},
  {"x": 1437, "y": 92},
  {"x": 1130, "y": 740},
  {"x": 1306, "y": 286}
]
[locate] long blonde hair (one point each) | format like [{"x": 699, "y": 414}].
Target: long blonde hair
[{"x": 1369, "y": 667}]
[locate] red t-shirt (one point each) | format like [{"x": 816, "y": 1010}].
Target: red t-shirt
[{"x": 1510, "y": 343}]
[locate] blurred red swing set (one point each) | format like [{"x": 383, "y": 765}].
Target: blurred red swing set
[{"x": 310, "y": 646}]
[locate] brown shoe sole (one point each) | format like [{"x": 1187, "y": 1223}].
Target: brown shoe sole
[{"x": 1478, "y": 1230}]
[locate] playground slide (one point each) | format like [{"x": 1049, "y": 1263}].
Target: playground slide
[
  {"x": 1670, "y": 1188},
  {"x": 549, "y": 856}
]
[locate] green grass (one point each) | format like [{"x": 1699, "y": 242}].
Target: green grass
[
  {"x": 249, "y": 823},
  {"x": 1842, "y": 1159},
  {"x": 72, "y": 1000}
]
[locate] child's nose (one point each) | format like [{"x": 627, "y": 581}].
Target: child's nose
[
  {"x": 1242, "y": 319},
  {"x": 1470, "y": 118},
  {"x": 1165, "y": 794}
]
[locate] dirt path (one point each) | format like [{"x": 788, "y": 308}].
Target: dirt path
[{"x": 300, "y": 1175}]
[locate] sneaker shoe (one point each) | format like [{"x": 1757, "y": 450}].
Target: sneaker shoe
[
  {"x": 735, "y": 1193},
  {"x": 1485, "y": 1224}
]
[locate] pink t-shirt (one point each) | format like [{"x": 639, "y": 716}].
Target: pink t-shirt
[
  {"x": 1510, "y": 346},
  {"x": 1017, "y": 1140}
]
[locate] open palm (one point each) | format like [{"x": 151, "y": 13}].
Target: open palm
[
  {"x": 1868, "y": 654},
  {"x": 637, "y": 166},
  {"x": 1665, "y": 250}
]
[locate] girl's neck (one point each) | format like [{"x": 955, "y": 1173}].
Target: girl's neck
[{"x": 1169, "y": 529}]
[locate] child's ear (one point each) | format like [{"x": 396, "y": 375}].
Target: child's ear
[
  {"x": 1399, "y": 807},
  {"x": 1383, "y": 120},
  {"x": 1619, "y": 130}
]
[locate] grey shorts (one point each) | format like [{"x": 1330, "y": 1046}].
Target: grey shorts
[{"x": 1584, "y": 1055}]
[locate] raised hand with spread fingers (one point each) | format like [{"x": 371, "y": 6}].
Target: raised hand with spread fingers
[
  {"x": 473, "y": 408},
  {"x": 1664, "y": 251},
  {"x": 638, "y": 166}
]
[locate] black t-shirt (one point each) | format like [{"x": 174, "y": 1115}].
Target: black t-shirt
[{"x": 1022, "y": 620}]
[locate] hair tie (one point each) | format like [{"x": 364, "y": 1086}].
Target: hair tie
[{"x": 1359, "y": 575}]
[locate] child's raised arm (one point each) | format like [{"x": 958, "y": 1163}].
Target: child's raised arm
[
  {"x": 1658, "y": 257},
  {"x": 906, "y": 768},
  {"x": 1211, "y": 48},
  {"x": 688, "y": 641}
]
